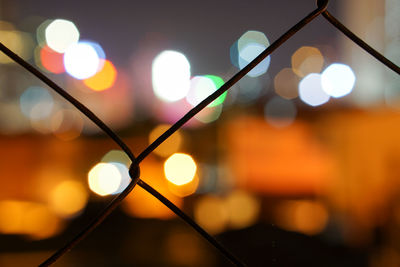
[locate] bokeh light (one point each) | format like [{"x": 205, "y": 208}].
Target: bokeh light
[
  {"x": 286, "y": 83},
  {"x": 247, "y": 48},
  {"x": 171, "y": 76},
  {"x": 338, "y": 80},
  {"x": 104, "y": 179},
  {"x": 66, "y": 124},
  {"x": 68, "y": 198},
  {"x": 51, "y": 60},
  {"x": 209, "y": 115},
  {"x": 169, "y": 146},
  {"x": 180, "y": 168},
  {"x": 103, "y": 79},
  {"x": 250, "y": 89},
  {"x": 20, "y": 43},
  {"x": 311, "y": 92},
  {"x": 280, "y": 112},
  {"x": 211, "y": 214},
  {"x": 304, "y": 216},
  {"x": 36, "y": 103},
  {"x": 243, "y": 209},
  {"x": 307, "y": 60},
  {"x": 60, "y": 34},
  {"x": 81, "y": 60},
  {"x": 203, "y": 86}
]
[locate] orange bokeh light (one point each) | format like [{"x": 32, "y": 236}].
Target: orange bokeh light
[
  {"x": 51, "y": 60},
  {"x": 103, "y": 79}
]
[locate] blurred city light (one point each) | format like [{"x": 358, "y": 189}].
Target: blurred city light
[
  {"x": 203, "y": 86},
  {"x": 20, "y": 43},
  {"x": 338, "y": 80},
  {"x": 307, "y": 60},
  {"x": 169, "y": 146},
  {"x": 304, "y": 216},
  {"x": 68, "y": 198},
  {"x": 243, "y": 209},
  {"x": 286, "y": 83},
  {"x": 171, "y": 76},
  {"x": 66, "y": 124},
  {"x": 51, "y": 60},
  {"x": 247, "y": 48},
  {"x": 60, "y": 34},
  {"x": 209, "y": 114},
  {"x": 311, "y": 92},
  {"x": 36, "y": 103},
  {"x": 103, "y": 79},
  {"x": 81, "y": 60},
  {"x": 104, "y": 179},
  {"x": 180, "y": 169},
  {"x": 210, "y": 213}
]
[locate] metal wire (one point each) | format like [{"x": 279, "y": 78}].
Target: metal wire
[{"x": 134, "y": 170}]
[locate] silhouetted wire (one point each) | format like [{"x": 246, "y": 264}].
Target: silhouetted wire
[
  {"x": 134, "y": 170},
  {"x": 192, "y": 223},
  {"x": 230, "y": 82},
  {"x": 360, "y": 42}
]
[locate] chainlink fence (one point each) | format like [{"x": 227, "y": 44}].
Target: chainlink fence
[{"x": 134, "y": 170}]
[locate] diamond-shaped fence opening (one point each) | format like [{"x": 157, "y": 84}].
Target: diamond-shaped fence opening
[{"x": 134, "y": 170}]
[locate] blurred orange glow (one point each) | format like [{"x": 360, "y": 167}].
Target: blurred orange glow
[
  {"x": 211, "y": 214},
  {"x": 68, "y": 198},
  {"x": 103, "y": 79},
  {"x": 171, "y": 145},
  {"x": 27, "y": 218},
  {"x": 243, "y": 209},
  {"x": 307, "y": 217},
  {"x": 143, "y": 205},
  {"x": 51, "y": 60},
  {"x": 285, "y": 161}
]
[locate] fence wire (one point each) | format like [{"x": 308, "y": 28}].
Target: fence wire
[{"x": 134, "y": 170}]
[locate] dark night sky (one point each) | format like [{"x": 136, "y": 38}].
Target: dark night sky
[{"x": 202, "y": 30}]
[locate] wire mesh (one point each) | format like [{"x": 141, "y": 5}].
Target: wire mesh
[{"x": 134, "y": 170}]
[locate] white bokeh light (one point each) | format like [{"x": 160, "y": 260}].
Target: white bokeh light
[
  {"x": 200, "y": 88},
  {"x": 171, "y": 76},
  {"x": 338, "y": 80},
  {"x": 81, "y": 60},
  {"x": 104, "y": 179},
  {"x": 60, "y": 34},
  {"x": 310, "y": 90}
]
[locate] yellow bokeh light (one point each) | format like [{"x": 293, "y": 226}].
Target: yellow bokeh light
[
  {"x": 103, "y": 79},
  {"x": 169, "y": 146},
  {"x": 68, "y": 198},
  {"x": 307, "y": 60},
  {"x": 104, "y": 179},
  {"x": 19, "y": 42},
  {"x": 243, "y": 209},
  {"x": 180, "y": 169},
  {"x": 211, "y": 214}
]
